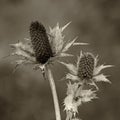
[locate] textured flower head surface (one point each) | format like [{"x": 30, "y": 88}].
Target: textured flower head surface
[
  {"x": 76, "y": 95},
  {"x": 42, "y": 48},
  {"x": 86, "y": 70}
]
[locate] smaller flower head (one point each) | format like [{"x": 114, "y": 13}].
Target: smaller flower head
[{"x": 86, "y": 70}]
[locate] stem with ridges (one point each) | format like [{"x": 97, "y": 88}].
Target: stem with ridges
[{"x": 54, "y": 93}]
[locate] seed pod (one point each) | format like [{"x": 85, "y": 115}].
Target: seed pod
[
  {"x": 40, "y": 42},
  {"x": 86, "y": 66}
]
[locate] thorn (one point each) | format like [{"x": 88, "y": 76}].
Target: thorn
[
  {"x": 65, "y": 26},
  {"x": 76, "y": 43}
]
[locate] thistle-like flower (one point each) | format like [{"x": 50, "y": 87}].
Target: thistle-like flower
[
  {"x": 43, "y": 48},
  {"x": 87, "y": 70},
  {"x": 82, "y": 77}
]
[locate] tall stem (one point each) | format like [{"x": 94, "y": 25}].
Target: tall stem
[{"x": 54, "y": 94}]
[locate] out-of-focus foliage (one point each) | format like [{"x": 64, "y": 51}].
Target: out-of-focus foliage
[{"x": 24, "y": 95}]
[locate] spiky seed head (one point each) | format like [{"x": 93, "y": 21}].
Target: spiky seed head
[
  {"x": 86, "y": 66},
  {"x": 40, "y": 42}
]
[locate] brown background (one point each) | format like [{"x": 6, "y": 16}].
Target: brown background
[{"x": 25, "y": 95}]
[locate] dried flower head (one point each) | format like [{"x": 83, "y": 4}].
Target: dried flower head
[
  {"x": 42, "y": 48},
  {"x": 40, "y": 42},
  {"x": 76, "y": 95},
  {"x": 86, "y": 67},
  {"x": 86, "y": 70}
]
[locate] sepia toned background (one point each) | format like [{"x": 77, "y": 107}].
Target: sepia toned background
[{"x": 25, "y": 95}]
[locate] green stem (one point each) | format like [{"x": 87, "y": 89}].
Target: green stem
[{"x": 54, "y": 94}]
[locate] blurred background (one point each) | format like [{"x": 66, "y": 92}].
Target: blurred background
[{"x": 25, "y": 95}]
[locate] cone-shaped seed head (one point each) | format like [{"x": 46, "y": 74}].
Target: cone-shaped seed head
[
  {"x": 86, "y": 67},
  {"x": 40, "y": 42}
]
